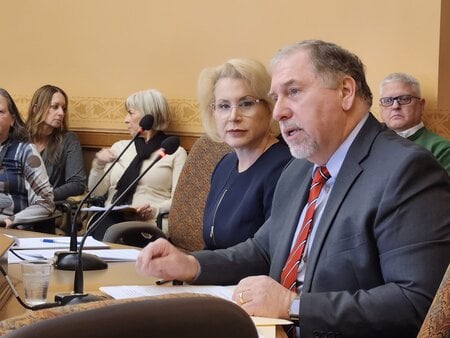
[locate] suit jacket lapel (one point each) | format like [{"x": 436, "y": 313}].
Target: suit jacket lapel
[
  {"x": 301, "y": 179},
  {"x": 348, "y": 173}
]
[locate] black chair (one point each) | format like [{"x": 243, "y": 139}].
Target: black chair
[
  {"x": 46, "y": 224},
  {"x": 60, "y": 221},
  {"x": 188, "y": 317}
]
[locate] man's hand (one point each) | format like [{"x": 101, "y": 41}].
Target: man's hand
[
  {"x": 161, "y": 259},
  {"x": 263, "y": 296}
]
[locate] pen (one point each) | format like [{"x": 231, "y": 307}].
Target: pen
[
  {"x": 164, "y": 281},
  {"x": 61, "y": 241}
]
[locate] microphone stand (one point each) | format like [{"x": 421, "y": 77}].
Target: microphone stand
[
  {"x": 78, "y": 295},
  {"x": 68, "y": 260}
]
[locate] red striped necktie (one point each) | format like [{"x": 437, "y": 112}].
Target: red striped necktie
[{"x": 289, "y": 273}]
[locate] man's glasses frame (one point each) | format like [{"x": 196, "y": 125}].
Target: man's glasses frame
[{"x": 401, "y": 100}]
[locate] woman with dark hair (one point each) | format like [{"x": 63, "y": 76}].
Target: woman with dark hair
[
  {"x": 59, "y": 148},
  {"x": 25, "y": 191}
]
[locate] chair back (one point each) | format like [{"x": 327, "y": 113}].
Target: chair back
[
  {"x": 186, "y": 317},
  {"x": 185, "y": 220},
  {"x": 188, "y": 202},
  {"x": 437, "y": 320}
]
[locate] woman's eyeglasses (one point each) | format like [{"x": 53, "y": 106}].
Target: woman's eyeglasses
[{"x": 244, "y": 106}]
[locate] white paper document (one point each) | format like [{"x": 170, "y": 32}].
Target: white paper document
[
  {"x": 108, "y": 255},
  {"x": 266, "y": 326},
  {"x": 133, "y": 291},
  {"x": 56, "y": 242},
  {"x": 116, "y": 255},
  {"x": 117, "y": 207}
]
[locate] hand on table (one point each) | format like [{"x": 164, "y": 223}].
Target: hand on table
[
  {"x": 263, "y": 296},
  {"x": 162, "y": 260}
]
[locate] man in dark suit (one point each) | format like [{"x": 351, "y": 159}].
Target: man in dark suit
[{"x": 379, "y": 242}]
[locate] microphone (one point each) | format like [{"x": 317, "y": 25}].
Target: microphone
[
  {"x": 168, "y": 147},
  {"x": 67, "y": 260},
  {"x": 21, "y": 302},
  {"x": 146, "y": 123}
]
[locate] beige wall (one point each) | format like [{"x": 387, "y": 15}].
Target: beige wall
[{"x": 100, "y": 51}]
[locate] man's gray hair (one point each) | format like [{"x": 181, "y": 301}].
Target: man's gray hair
[
  {"x": 407, "y": 79},
  {"x": 331, "y": 62}
]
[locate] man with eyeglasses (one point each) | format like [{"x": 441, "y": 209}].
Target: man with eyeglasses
[{"x": 401, "y": 108}]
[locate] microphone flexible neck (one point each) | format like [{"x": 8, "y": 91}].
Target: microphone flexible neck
[
  {"x": 168, "y": 146},
  {"x": 89, "y": 194}
]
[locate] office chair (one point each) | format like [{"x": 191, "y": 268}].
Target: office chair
[
  {"x": 188, "y": 317},
  {"x": 185, "y": 219},
  {"x": 47, "y": 224},
  {"x": 67, "y": 209},
  {"x": 60, "y": 220},
  {"x": 437, "y": 320},
  {"x": 84, "y": 217}
]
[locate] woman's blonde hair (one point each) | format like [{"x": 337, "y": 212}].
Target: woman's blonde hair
[
  {"x": 251, "y": 71},
  {"x": 151, "y": 102}
]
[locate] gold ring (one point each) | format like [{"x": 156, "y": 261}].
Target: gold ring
[{"x": 241, "y": 298}]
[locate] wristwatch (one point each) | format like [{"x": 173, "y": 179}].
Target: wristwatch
[{"x": 294, "y": 310}]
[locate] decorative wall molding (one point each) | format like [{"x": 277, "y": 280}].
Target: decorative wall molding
[
  {"x": 107, "y": 114},
  {"x": 438, "y": 121}
]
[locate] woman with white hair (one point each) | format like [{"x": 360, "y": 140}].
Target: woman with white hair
[{"x": 153, "y": 192}]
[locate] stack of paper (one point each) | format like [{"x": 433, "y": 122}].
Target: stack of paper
[
  {"x": 132, "y": 291},
  {"x": 45, "y": 248},
  {"x": 56, "y": 242},
  {"x": 124, "y": 208},
  {"x": 108, "y": 255}
]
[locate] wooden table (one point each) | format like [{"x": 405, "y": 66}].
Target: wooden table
[{"x": 117, "y": 273}]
